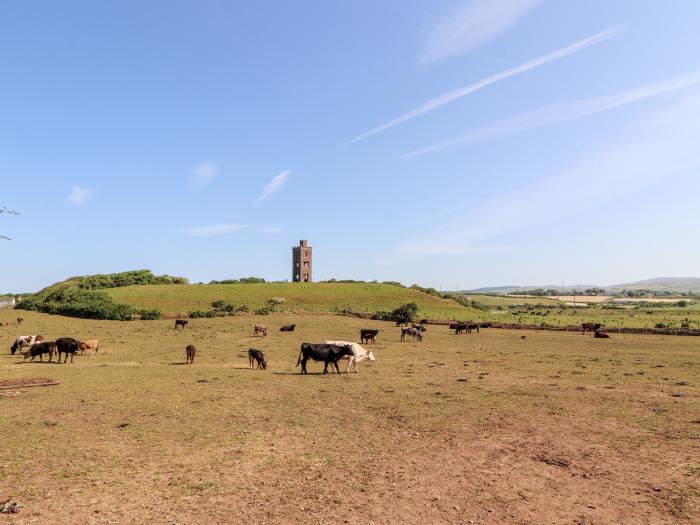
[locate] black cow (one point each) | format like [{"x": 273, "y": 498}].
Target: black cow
[
  {"x": 458, "y": 327},
  {"x": 39, "y": 349},
  {"x": 327, "y": 353},
  {"x": 472, "y": 326},
  {"x": 402, "y": 320},
  {"x": 67, "y": 345},
  {"x": 485, "y": 325},
  {"x": 367, "y": 335},
  {"x": 591, "y": 327},
  {"x": 599, "y": 334},
  {"x": 257, "y": 355},
  {"x": 287, "y": 328},
  {"x": 181, "y": 323}
]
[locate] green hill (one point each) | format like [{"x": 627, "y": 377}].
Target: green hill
[{"x": 366, "y": 298}]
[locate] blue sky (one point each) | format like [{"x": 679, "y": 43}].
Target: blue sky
[{"x": 441, "y": 142}]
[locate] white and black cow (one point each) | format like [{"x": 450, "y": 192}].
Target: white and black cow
[
  {"x": 25, "y": 340},
  {"x": 359, "y": 353}
]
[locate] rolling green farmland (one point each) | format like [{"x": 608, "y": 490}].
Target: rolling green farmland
[{"x": 300, "y": 297}]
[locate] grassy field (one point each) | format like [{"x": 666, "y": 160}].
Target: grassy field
[
  {"x": 481, "y": 428},
  {"x": 307, "y": 297}
]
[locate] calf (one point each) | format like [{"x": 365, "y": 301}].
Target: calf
[
  {"x": 20, "y": 320},
  {"x": 257, "y": 355},
  {"x": 367, "y": 335},
  {"x": 411, "y": 332},
  {"x": 39, "y": 349},
  {"x": 190, "y": 352},
  {"x": 90, "y": 344},
  {"x": 322, "y": 352},
  {"x": 287, "y": 328},
  {"x": 67, "y": 345},
  {"x": 181, "y": 323},
  {"x": 259, "y": 329},
  {"x": 358, "y": 353}
]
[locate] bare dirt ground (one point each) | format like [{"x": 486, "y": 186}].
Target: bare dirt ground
[{"x": 485, "y": 428}]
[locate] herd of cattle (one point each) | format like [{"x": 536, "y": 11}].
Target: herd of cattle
[
  {"x": 34, "y": 345},
  {"x": 328, "y": 352}
]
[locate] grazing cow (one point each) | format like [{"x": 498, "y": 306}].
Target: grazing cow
[
  {"x": 20, "y": 320},
  {"x": 39, "y": 349},
  {"x": 190, "y": 352},
  {"x": 181, "y": 323},
  {"x": 411, "y": 332},
  {"x": 287, "y": 328},
  {"x": 459, "y": 328},
  {"x": 260, "y": 329},
  {"x": 485, "y": 325},
  {"x": 599, "y": 334},
  {"x": 367, "y": 335},
  {"x": 591, "y": 327},
  {"x": 257, "y": 355},
  {"x": 358, "y": 353},
  {"x": 90, "y": 344},
  {"x": 472, "y": 326},
  {"x": 25, "y": 340},
  {"x": 67, "y": 345},
  {"x": 322, "y": 352}
]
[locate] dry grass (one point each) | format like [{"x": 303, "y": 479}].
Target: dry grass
[{"x": 482, "y": 428}]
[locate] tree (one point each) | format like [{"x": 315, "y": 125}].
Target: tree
[
  {"x": 6, "y": 211},
  {"x": 407, "y": 311}
]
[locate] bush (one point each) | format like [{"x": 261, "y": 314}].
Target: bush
[
  {"x": 407, "y": 311},
  {"x": 265, "y": 310},
  {"x": 77, "y": 302},
  {"x": 149, "y": 314},
  {"x": 115, "y": 280},
  {"x": 682, "y": 303}
]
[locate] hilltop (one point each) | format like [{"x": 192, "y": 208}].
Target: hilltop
[
  {"x": 364, "y": 298},
  {"x": 141, "y": 294}
]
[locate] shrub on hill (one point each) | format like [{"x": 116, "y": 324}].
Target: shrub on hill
[
  {"x": 89, "y": 304},
  {"x": 115, "y": 280}
]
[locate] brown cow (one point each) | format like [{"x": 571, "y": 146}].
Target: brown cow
[
  {"x": 599, "y": 334},
  {"x": 90, "y": 344},
  {"x": 190, "y": 352},
  {"x": 259, "y": 329},
  {"x": 20, "y": 320}
]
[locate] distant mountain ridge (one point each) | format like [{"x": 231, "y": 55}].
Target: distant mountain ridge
[{"x": 670, "y": 284}]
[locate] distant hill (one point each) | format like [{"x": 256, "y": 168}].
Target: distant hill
[
  {"x": 671, "y": 284},
  {"x": 659, "y": 284}
]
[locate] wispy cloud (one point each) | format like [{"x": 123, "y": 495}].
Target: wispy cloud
[
  {"x": 270, "y": 230},
  {"x": 473, "y": 25},
  {"x": 558, "y": 113},
  {"x": 660, "y": 146},
  {"x": 78, "y": 195},
  {"x": 214, "y": 230},
  {"x": 274, "y": 185},
  {"x": 453, "y": 95},
  {"x": 202, "y": 174}
]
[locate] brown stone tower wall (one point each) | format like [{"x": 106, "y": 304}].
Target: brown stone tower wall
[{"x": 301, "y": 263}]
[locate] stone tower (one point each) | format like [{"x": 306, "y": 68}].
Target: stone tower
[{"x": 301, "y": 263}]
